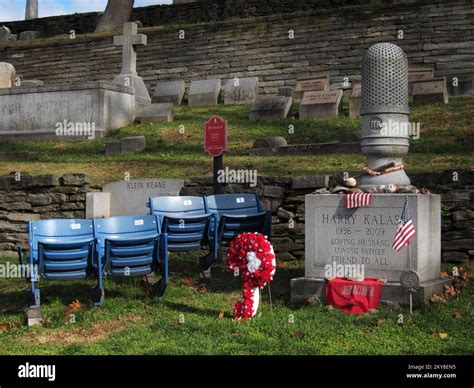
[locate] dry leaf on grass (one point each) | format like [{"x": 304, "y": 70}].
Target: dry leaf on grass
[
  {"x": 4, "y": 326},
  {"x": 443, "y": 335},
  {"x": 296, "y": 334},
  {"x": 437, "y": 299},
  {"x": 221, "y": 314},
  {"x": 457, "y": 315}
]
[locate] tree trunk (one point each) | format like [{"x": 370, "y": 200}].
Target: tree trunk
[{"x": 116, "y": 14}]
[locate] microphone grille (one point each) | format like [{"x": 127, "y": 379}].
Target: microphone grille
[{"x": 384, "y": 79}]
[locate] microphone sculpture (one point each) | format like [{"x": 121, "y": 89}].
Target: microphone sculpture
[{"x": 384, "y": 111}]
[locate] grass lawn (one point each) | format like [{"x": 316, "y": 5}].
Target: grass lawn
[
  {"x": 195, "y": 317},
  {"x": 446, "y": 141}
]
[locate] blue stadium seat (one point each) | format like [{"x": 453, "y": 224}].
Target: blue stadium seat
[
  {"x": 184, "y": 226},
  {"x": 59, "y": 250},
  {"x": 128, "y": 246},
  {"x": 238, "y": 213}
]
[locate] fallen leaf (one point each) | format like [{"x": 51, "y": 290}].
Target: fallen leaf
[
  {"x": 221, "y": 314},
  {"x": 4, "y": 326},
  {"x": 280, "y": 264},
  {"x": 76, "y": 305},
  {"x": 444, "y": 274},
  {"x": 296, "y": 334},
  {"x": 443, "y": 335},
  {"x": 437, "y": 299},
  {"x": 458, "y": 315},
  {"x": 329, "y": 307}
]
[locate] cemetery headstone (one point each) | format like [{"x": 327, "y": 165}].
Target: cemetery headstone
[
  {"x": 132, "y": 144},
  {"x": 128, "y": 76},
  {"x": 5, "y": 34},
  {"x": 321, "y": 105},
  {"x": 367, "y": 242},
  {"x": 270, "y": 108},
  {"x": 241, "y": 91},
  {"x": 418, "y": 74},
  {"x": 74, "y": 111},
  {"x": 156, "y": 113},
  {"x": 204, "y": 92},
  {"x": 29, "y": 35},
  {"x": 316, "y": 83},
  {"x": 7, "y": 75},
  {"x": 113, "y": 147},
  {"x": 130, "y": 197},
  {"x": 430, "y": 91},
  {"x": 169, "y": 91},
  {"x": 355, "y": 100}
]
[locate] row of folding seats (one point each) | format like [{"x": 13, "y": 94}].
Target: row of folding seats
[
  {"x": 225, "y": 216},
  {"x": 138, "y": 245},
  {"x": 74, "y": 249}
]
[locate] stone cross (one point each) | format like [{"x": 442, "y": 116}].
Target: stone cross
[
  {"x": 31, "y": 11},
  {"x": 129, "y": 40}
]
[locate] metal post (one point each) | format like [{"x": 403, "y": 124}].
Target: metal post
[{"x": 218, "y": 165}]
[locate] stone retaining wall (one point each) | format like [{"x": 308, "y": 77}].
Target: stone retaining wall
[
  {"x": 438, "y": 34},
  {"x": 47, "y": 196},
  {"x": 284, "y": 196},
  {"x": 24, "y": 198}
]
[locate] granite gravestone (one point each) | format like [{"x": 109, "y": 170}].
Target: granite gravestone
[
  {"x": 355, "y": 100},
  {"x": 418, "y": 74},
  {"x": 321, "y": 105},
  {"x": 363, "y": 237},
  {"x": 270, "y": 108},
  {"x": 204, "y": 92},
  {"x": 128, "y": 76},
  {"x": 29, "y": 35},
  {"x": 156, "y": 113},
  {"x": 430, "y": 91},
  {"x": 169, "y": 91},
  {"x": 286, "y": 91},
  {"x": 75, "y": 111},
  {"x": 7, "y": 75},
  {"x": 131, "y": 197},
  {"x": 241, "y": 91},
  {"x": 310, "y": 84}
]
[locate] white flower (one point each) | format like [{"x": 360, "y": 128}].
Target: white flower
[{"x": 253, "y": 262}]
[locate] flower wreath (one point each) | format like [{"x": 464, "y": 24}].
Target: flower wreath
[{"x": 251, "y": 256}]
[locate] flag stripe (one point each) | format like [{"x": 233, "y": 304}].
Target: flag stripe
[
  {"x": 405, "y": 230},
  {"x": 353, "y": 200}
]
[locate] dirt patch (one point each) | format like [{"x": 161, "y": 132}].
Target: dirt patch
[{"x": 81, "y": 334}]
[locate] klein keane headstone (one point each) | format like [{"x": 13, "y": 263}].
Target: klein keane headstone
[
  {"x": 321, "y": 104},
  {"x": 156, "y": 113},
  {"x": 169, "y": 91},
  {"x": 430, "y": 91},
  {"x": 131, "y": 197},
  {"x": 204, "y": 92},
  {"x": 270, "y": 108},
  {"x": 310, "y": 84},
  {"x": 241, "y": 91},
  {"x": 363, "y": 237},
  {"x": 7, "y": 75},
  {"x": 128, "y": 76},
  {"x": 355, "y": 100}
]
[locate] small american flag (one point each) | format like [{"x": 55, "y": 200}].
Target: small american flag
[
  {"x": 358, "y": 199},
  {"x": 405, "y": 230}
]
